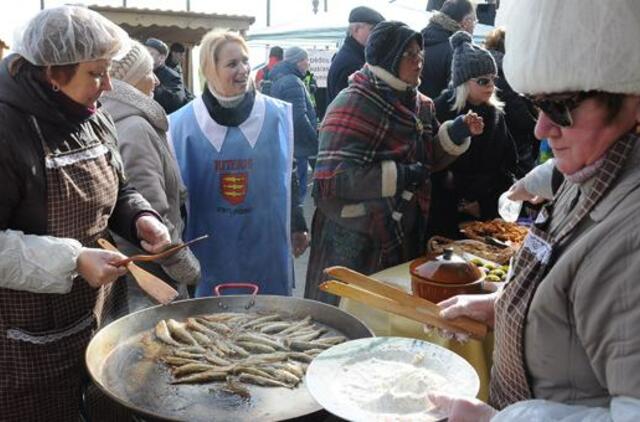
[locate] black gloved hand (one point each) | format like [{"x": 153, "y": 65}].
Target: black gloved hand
[{"x": 414, "y": 174}]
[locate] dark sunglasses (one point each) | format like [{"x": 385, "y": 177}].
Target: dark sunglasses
[
  {"x": 558, "y": 107},
  {"x": 484, "y": 81}
]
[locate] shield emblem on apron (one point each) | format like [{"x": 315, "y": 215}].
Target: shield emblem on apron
[{"x": 233, "y": 187}]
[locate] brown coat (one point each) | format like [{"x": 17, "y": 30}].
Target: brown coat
[{"x": 581, "y": 339}]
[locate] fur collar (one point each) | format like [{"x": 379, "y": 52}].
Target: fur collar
[
  {"x": 446, "y": 22},
  {"x": 146, "y": 106}
]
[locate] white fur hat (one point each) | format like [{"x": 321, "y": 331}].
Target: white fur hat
[{"x": 557, "y": 46}]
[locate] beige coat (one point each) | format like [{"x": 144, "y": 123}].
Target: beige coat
[
  {"x": 582, "y": 338},
  {"x": 151, "y": 169}
]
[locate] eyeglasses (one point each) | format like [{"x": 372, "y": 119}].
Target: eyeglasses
[
  {"x": 413, "y": 55},
  {"x": 558, "y": 107},
  {"x": 484, "y": 81}
]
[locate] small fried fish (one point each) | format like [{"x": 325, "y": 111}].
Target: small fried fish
[
  {"x": 163, "y": 334},
  {"x": 179, "y": 331}
]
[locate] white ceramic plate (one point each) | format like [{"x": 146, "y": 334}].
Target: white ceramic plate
[{"x": 387, "y": 378}]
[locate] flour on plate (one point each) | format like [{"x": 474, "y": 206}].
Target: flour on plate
[{"x": 382, "y": 386}]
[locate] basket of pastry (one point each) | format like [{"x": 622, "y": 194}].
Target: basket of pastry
[
  {"x": 497, "y": 254},
  {"x": 495, "y": 230}
]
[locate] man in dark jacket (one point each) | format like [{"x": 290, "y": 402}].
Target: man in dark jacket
[
  {"x": 455, "y": 15},
  {"x": 171, "y": 93},
  {"x": 287, "y": 78},
  {"x": 350, "y": 57}
]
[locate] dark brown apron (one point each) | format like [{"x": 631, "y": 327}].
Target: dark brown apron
[
  {"x": 43, "y": 336},
  {"x": 509, "y": 380}
]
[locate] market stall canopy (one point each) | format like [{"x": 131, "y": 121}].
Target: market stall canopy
[{"x": 172, "y": 25}]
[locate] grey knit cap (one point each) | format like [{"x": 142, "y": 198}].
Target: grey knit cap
[
  {"x": 469, "y": 60},
  {"x": 295, "y": 54}
]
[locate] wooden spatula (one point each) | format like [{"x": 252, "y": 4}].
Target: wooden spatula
[
  {"x": 170, "y": 250},
  {"x": 149, "y": 283}
]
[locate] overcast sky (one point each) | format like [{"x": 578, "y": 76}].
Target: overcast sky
[{"x": 282, "y": 11}]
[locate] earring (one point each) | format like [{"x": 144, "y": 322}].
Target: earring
[{"x": 55, "y": 87}]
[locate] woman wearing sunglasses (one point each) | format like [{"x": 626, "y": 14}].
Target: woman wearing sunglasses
[
  {"x": 470, "y": 187},
  {"x": 566, "y": 323}
]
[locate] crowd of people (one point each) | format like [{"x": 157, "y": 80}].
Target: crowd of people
[{"x": 423, "y": 130}]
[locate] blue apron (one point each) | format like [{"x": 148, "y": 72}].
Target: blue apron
[{"x": 239, "y": 184}]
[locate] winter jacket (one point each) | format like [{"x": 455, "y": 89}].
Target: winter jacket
[
  {"x": 581, "y": 347},
  {"x": 436, "y": 71},
  {"x": 480, "y": 175},
  {"x": 171, "y": 93},
  {"x": 349, "y": 59},
  {"x": 150, "y": 167},
  {"x": 288, "y": 86},
  {"x": 521, "y": 118},
  {"x": 23, "y": 191}
]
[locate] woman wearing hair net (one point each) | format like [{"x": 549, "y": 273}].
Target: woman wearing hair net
[
  {"x": 62, "y": 189},
  {"x": 566, "y": 324}
]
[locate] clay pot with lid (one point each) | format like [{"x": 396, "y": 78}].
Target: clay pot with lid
[{"x": 438, "y": 277}]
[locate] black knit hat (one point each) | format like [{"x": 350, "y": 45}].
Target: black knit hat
[
  {"x": 366, "y": 15},
  {"x": 386, "y": 44},
  {"x": 158, "y": 45},
  {"x": 469, "y": 60},
  {"x": 457, "y": 9}
]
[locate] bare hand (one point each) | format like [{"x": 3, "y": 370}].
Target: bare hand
[
  {"x": 300, "y": 243},
  {"x": 517, "y": 192},
  {"x": 153, "y": 234},
  {"x": 478, "y": 307},
  {"x": 95, "y": 266},
  {"x": 474, "y": 123},
  {"x": 460, "y": 409}
]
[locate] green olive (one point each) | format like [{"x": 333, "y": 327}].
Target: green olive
[{"x": 493, "y": 277}]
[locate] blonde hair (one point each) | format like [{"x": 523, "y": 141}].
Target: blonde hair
[
  {"x": 210, "y": 48},
  {"x": 462, "y": 95}
]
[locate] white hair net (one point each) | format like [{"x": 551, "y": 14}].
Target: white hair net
[{"x": 69, "y": 35}]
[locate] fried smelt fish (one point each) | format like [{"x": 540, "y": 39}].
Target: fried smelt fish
[
  {"x": 303, "y": 346},
  {"x": 256, "y": 347},
  {"x": 260, "y": 339},
  {"x": 191, "y": 368},
  {"x": 300, "y": 357},
  {"x": 179, "y": 331},
  {"x": 258, "y": 321},
  {"x": 202, "y": 377},
  {"x": 258, "y": 380},
  {"x": 297, "y": 326},
  {"x": 210, "y": 357},
  {"x": 163, "y": 334},
  {"x": 178, "y": 361}
]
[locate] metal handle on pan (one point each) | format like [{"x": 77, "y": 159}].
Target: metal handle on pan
[{"x": 217, "y": 291}]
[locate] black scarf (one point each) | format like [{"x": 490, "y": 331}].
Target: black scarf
[{"x": 232, "y": 117}]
